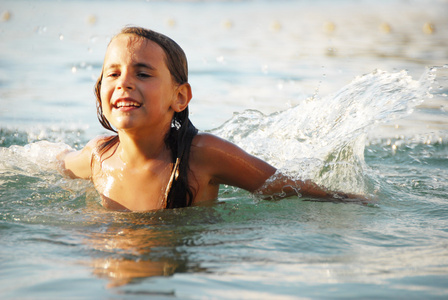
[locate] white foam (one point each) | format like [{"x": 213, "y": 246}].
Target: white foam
[
  {"x": 323, "y": 139},
  {"x": 33, "y": 158}
]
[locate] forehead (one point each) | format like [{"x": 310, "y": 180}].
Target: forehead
[{"x": 133, "y": 48}]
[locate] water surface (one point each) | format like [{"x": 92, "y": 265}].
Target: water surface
[{"x": 351, "y": 94}]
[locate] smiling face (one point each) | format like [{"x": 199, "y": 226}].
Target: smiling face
[{"x": 137, "y": 90}]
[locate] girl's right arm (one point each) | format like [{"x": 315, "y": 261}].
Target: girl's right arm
[{"x": 77, "y": 164}]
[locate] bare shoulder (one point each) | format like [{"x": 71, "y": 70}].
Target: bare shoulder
[
  {"x": 226, "y": 163},
  {"x": 94, "y": 143},
  {"x": 208, "y": 148},
  {"x": 77, "y": 164},
  {"x": 202, "y": 148},
  {"x": 209, "y": 142}
]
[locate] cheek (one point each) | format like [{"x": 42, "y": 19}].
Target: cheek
[
  {"x": 105, "y": 98},
  {"x": 105, "y": 108}
]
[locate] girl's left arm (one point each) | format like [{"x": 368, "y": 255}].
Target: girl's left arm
[
  {"x": 229, "y": 164},
  {"x": 226, "y": 163}
]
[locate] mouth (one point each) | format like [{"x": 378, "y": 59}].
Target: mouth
[{"x": 126, "y": 103}]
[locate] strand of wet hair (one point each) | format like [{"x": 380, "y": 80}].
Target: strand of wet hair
[{"x": 179, "y": 141}]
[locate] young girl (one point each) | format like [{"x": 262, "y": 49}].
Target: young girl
[{"x": 158, "y": 159}]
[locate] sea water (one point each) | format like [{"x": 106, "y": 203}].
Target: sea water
[{"x": 349, "y": 94}]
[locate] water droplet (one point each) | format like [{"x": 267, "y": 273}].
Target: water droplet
[
  {"x": 227, "y": 24},
  {"x": 429, "y": 28},
  {"x": 331, "y": 52},
  {"x": 276, "y": 26},
  {"x": 171, "y": 23},
  {"x": 93, "y": 39},
  {"x": 329, "y": 27},
  {"x": 265, "y": 69},
  {"x": 220, "y": 59},
  {"x": 74, "y": 69},
  {"x": 91, "y": 19},
  {"x": 40, "y": 29},
  {"x": 6, "y": 16},
  {"x": 385, "y": 27},
  {"x": 61, "y": 37}
]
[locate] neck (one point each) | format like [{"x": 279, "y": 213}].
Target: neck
[{"x": 138, "y": 149}]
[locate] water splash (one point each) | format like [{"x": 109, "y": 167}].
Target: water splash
[
  {"x": 324, "y": 139},
  {"x": 32, "y": 159}
]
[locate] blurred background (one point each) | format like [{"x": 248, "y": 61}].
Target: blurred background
[{"x": 263, "y": 55}]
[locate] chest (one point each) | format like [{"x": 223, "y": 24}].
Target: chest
[{"x": 131, "y": 188}]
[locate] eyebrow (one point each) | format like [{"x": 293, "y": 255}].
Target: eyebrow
[
  {"x": 143, "y": 65},
  {"x": 136, "y": 65}
]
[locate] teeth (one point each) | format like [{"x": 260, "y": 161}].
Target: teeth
[{"x": 127, "y": 104}]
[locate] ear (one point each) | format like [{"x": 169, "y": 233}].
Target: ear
[{"x": 183, "y": 97}]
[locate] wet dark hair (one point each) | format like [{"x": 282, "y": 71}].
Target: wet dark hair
[{"x": 182, "y": 131}]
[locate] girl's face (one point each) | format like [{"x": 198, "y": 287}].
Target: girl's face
[{"x": 137, "y": 90}]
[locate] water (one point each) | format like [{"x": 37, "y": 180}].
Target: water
[{"x": 350, "y": 94}]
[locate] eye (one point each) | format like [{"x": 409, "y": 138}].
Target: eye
[
  {"x": 113, "y": 74},
  {"x": 143, "y": 75}
]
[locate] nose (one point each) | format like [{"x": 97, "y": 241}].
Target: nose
[{"x": 125, "y": 82}]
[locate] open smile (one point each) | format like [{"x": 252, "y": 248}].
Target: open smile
[{"x": 126, "y": 103}]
